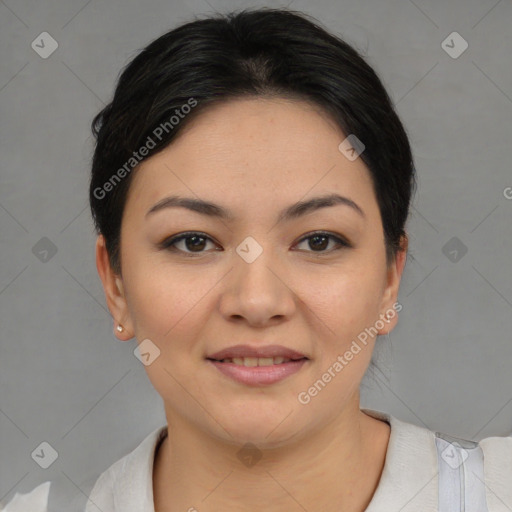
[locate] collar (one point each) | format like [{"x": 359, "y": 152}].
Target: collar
[
  {"x": 410, "y": 469},
  {"x": 410, "y": 448},
  {"x": 133, "y": 484}
]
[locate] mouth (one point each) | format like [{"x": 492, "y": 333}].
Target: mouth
[
  {"x": 258, "y": 366},
  {"x": 249, "y": 353},
  {"x": 257, "y": 361}
]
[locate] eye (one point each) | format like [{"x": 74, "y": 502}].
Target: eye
[
  {"x": 193, "y": 241},
  {"x": 317, "y": 241}
]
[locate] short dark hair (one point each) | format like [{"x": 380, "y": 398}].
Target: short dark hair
[{"x": 255, "y": 52}]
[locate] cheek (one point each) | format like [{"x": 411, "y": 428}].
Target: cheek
[
  {"x": 345, "y": 301},
  {"x": 165, "y": 308},
  {"x": 167, "y": 304}
]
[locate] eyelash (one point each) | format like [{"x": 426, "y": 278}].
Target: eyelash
[{"x": 170, "y": 243}]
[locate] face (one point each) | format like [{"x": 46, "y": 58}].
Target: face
[{"x": 311, "y": 281}]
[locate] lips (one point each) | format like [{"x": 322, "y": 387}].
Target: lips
[{"x": 268, "y": 351}]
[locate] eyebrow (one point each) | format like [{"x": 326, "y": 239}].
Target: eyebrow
[{"x": 291, "y": 212}]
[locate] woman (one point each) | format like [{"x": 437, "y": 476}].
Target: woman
[{"x": 250, "y": 188}]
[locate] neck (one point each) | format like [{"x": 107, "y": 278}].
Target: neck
[{"x": 337, "y": 467}]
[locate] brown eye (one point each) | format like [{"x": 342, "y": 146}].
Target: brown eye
[
  {"x": 193, "y": 242},
  {"x": 318, "y": 242}
]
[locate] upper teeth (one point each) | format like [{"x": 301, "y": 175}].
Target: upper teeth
[{"x": 256, "y": 361}]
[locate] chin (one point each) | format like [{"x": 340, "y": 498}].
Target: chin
[{"x": 264, "y": 430}]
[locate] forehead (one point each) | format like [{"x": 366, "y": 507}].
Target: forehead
[{"x": 254, "y": 150}]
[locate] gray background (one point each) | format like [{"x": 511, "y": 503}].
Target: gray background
[{"x": 64, "y": 377}]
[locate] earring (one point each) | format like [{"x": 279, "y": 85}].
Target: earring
[{"x": 120, "y": 328}]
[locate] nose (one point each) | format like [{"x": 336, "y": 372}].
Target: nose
[{"x": 257, "y": 291}]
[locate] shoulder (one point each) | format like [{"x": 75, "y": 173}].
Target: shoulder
[
  {"x": 441, "y": 466},
  {"x": 498, "y": 450},
  {"x": 497, "y": 453},
  {"x": 127, "y": 484},
  {"x": 102, "y": 494}
]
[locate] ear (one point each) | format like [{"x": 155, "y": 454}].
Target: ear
[
  {"x": 390, "y": 295},
  {"x": 114, "y": 291}
]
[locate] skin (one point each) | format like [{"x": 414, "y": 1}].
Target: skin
[{"x": 256, "y": 157}]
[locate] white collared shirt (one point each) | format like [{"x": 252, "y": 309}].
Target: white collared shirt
[{"x": 409, "y": 481}]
